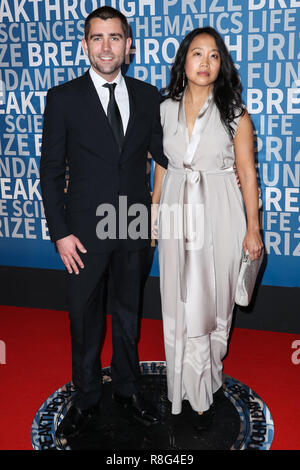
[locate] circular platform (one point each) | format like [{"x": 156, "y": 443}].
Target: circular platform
[{"x": 241, "y": 420}]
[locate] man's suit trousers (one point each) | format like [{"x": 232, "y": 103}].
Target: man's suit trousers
[{"x": 124, "y": 273}]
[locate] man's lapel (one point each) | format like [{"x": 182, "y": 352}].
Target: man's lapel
[
  {"x": 97, "y": 125},
  {"x": 132, "y": 108}
]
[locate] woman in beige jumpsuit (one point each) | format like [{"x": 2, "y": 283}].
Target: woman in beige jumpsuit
[{"x": 204, "y": 218}]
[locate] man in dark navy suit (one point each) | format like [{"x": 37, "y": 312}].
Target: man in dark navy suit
[{"x": 101, "y": 126}]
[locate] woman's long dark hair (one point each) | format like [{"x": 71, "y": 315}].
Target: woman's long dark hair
[{"x": 227, "y": 87}]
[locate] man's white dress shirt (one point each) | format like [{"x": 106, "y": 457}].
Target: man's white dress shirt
[{"x": 121, "y": 94}]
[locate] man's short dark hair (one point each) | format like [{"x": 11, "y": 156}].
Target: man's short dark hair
[{"x": 106, "y": 13}]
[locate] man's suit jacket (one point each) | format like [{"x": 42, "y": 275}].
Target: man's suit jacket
[{"x": 77, "y": 134}]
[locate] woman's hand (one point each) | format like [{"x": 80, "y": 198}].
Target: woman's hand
[
  {"x": 154, "y": 221},
  {"x": 159, "y": 173},
  {"x": 237, "y": 176},
  {"x": 253, "y": 243}
]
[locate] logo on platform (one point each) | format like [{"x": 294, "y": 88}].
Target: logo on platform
[{"x": 256, "y": 423}]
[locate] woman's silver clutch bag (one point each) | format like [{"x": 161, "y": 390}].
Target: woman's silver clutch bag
[{"x": 247, "y": 278}]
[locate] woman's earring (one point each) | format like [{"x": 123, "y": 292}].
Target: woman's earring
[{"x": 183, "y": 80}]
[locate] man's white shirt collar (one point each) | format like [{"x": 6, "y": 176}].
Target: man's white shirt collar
[
  {"x": 99, "y": 81},
  {"x": 121, "y": 94}
]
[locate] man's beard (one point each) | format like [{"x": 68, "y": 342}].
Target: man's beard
[{"x": 108, "y": 69}]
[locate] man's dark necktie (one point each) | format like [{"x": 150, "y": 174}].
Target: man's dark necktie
[{"x": 114, "y": 116}]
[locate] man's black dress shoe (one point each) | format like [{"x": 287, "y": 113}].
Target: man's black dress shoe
[
  {"x": 73, "y": 423},
  {"x": 140, "y": 409}
]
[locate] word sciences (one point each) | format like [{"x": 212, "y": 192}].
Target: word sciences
[{"x": 157, "y": 26}]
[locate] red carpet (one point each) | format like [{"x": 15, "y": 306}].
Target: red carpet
[{"x": 38, "y": 362}]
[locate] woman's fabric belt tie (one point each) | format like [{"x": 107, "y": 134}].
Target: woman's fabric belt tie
[{"x": 196, "y": 237}]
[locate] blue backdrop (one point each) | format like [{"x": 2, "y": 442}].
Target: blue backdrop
[{"x": 40, "y": 47}]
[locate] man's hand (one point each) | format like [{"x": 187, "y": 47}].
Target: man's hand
[{"x": 67, "y": 248}]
